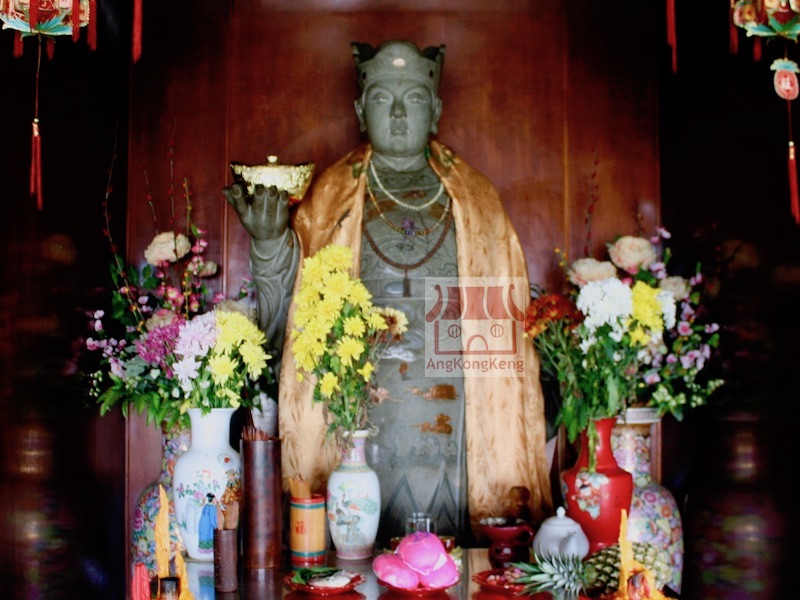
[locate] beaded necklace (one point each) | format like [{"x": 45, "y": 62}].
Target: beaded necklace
[
  {"x": 407, "y": 267},
  {"x": 399, "y": 202},
  {"x": 409, "y": 229}
]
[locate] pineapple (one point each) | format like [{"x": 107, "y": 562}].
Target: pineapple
[
  {"x": 606, "y": 565},
  {"x": 567, "y": 576}
]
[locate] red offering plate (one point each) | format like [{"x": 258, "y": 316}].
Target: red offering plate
[
  {"x": 357, "y": 579},
  {"x": 494, "y": 580},
  {"x": 419, "y": 592}
]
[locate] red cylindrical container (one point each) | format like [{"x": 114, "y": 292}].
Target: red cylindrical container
[{"x": 262, "y": 511}]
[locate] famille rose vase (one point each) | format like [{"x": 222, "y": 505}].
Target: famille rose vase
[
  {"x": 207, "y": 474},
  {"x": 596, "y": 499},
  {"x": 353, "y": 503},
  {"x": 174, "y": 442},
  {"x": 654, "y": 517}
]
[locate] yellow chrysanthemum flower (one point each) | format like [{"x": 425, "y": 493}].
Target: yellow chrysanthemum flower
[
  {"x": 360, "y": 296},
  {"x": 255, "y": 359},
  {"x": 366, "y": 371},
  {"x": 646, "y": 307},
  {"x": 355, "y": 326},
  {"x": 396, "y": 320},
  {"x": 328, "y": 384},
  {"x": 222, "y": 368},
  {"x": 349, "y": 349},
  {"x": 376, "y": 322},
  {"x": 337, "y": 286},
  {"x": 337, "y": 257}
]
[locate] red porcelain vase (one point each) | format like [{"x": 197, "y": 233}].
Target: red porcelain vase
[{"x": 596, "y": 499}]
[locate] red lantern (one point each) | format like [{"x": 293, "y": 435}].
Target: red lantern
[{"x": 48, "y": 17}]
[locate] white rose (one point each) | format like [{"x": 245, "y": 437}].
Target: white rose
[
  {"x": 631, "y": 253},
  {"x": 677, "y": 286},
  {"x": 167, "y": 247},
  {"x": 585, "y": 270}
]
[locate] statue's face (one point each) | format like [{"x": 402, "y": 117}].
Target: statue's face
[{"x": 398, "y": 115}]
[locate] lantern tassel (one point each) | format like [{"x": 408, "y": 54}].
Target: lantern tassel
[
  {"x": 36, "y": 164},
  {"x": 76, "y": 20},
  {"x": 793, "y": 184},
  {"x": 17, "y": 44},
  {"x": 92, "y": 36},
  {"x": 672, "y": 38},
  {"x": 36, "y": 138},
  {"x": 137, "y": 30}
]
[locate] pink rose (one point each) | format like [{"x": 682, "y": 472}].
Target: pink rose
[
  {"x": 585, "y": 270},
  {"x": 632, "y": 253}
]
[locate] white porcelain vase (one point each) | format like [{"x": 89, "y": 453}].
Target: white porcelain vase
[
  {"x": 209, "y": 472},
  {"x": 353, "y": 503}
]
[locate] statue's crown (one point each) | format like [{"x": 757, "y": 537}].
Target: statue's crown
[{"x": 398, "y": 58}]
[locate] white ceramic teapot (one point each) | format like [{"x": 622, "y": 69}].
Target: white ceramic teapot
[{"x": 561, "y": 535}]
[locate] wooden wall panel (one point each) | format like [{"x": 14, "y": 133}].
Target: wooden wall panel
[{"x": 177, "y": 147}]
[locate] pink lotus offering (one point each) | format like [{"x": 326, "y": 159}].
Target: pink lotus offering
[{"x": 420, "y": 561}]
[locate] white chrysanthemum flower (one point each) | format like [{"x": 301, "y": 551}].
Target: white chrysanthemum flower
[
  {"x": 667, "y": 301},
  {"x": 605, "y": 302}
]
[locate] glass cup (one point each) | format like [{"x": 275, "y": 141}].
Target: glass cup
[{"x": 420, "y": 521}]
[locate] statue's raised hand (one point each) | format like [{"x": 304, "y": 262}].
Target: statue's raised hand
[{"x": 265, "y": 215}]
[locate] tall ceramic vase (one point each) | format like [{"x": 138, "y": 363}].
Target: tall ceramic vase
[
  {"x": 596, "y": 499},
  {"x": 207, "y": 474},
  {"x": 654, "y": 517},
  {"x": 174, "y": 442},
  {"x": 353, "y": 503}
]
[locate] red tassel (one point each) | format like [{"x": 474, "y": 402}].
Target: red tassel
[
  {"x": 93, "y": 24},
  {"x": 672, "y": 37},
  {"x": 76, "y": 20},
  {"x": 734, "y": 38},
  {"x": 757, "y": 49},
  {"x": 33, "y": 14},
  {"x": 17, "y": 44},
  {"x": 137, "y": 30},
  {"x": 51, "y": 48},
  {"x": 793, "y": 184},
  {"x": 36, "y": 164}
]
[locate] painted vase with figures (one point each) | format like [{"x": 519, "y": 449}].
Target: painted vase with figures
[{"x": 207, "y": 480}]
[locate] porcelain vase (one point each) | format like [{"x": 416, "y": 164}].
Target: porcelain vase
[
  {"x": 174, "y": 442},
  {"x": 353, "y": 503},
  {"x": 595, "y": 499},
  {"x": 207, "y": 474},
  {"x": 654, "y": 517}
]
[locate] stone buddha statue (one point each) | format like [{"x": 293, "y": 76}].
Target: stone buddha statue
[{"x": 452, "y": 439}]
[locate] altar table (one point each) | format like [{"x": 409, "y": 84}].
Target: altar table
[{"x": 267, "y": 584}]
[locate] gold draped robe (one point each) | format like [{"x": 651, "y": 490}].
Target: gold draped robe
[{"x": 505, "y": 422}]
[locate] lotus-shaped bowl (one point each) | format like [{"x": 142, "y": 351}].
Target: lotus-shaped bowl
[{"x": 294, "y": 179}]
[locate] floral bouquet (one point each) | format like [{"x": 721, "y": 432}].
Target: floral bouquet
[
  {"x": 167, "y": 347},
  {"x": 340, "y": 337},
  {"x": 628, "y": 334}
]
